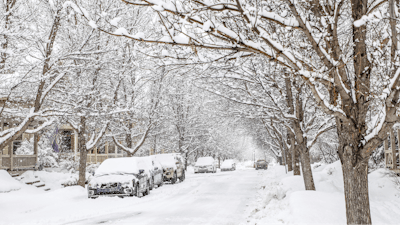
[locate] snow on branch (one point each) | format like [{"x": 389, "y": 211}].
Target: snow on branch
[
  {"x": 92, "y": 143},
  {"x": 44, "y": 125},
  {"x": 289, "y": 22},
  {"x": 132, "y": 151}
]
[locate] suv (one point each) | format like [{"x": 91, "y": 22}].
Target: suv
[
  {"x": 173, "y": 167},
  {"x": 261, "y": 164},
  {"x": 120, "y": 177}
]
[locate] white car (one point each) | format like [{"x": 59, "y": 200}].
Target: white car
[
  {"x": 156, "y": 171},
  {"x": 228, "y": 165},
  {"x": 120, "y": 177},
  {"x": 205, "y": 165}
]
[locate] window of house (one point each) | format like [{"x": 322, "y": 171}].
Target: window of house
[{"x": 65, "y": 144}]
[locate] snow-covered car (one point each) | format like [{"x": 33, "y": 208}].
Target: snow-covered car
[
  {"x": 120, "y": 177},
  {"x": 261, "y": 164},
  {"x": 172, "y": 165},
  {"x": 155, "y": 171},
  {"x": 205, "y": 165},
  {"x": 228, "y": 165}
]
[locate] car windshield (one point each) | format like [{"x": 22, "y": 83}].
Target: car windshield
[{"x": 204, "y": 161}]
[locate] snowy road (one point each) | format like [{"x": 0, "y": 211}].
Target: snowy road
[{"x": 219, "y": 198}]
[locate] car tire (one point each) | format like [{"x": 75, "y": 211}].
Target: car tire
[
  {"x": 152, "y": 184},
  {"x": 174, "y": 178},
  {"x": 182, "y": 178},
  {"x": 147, "y": 189},
  {"x": 137, "y": 190}
]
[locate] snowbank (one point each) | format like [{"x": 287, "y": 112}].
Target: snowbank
[
  {"x": 204, "y": 161},
  {"x": 7, "y": 183},
  {"x": 282, "y": 198}
]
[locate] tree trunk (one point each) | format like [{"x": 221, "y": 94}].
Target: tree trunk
[
  {"x": 356, "y": 189},
  {"x": 295, "y": 157},
  {"x": 289, "y": 156},
  {"x": 289, "y": 160},
  {"x": 83, "y": 153},
  {"x": 128, "y": 137},
  {"x": 306, "y": 168}
]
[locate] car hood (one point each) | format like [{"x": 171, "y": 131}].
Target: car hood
[{"x": 112, "y": 179}]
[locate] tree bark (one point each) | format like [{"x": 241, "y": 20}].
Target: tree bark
[
  {"x": 356, "y": 189},
  {"x": 83, "y": 153},
  {"x": 295, "y": 157},
  {"x": 289, "y": 159},
  {"x": 306, "y": 168}
]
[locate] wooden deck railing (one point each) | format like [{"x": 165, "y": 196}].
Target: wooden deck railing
[{"x": 17, "y": 162}]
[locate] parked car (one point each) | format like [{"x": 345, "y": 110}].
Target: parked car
[
  {"x": 205, "y": 165},
  {"x": 155, "y": 171},
  {"x": 228, "y": 165},
  {"x": 120, "y": 177},
  {"x": 173, "y": 167},
  {"x": 261, "y": 164}
]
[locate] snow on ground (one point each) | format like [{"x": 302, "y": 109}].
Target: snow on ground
[
  {"x": 245, "y": 196},
  {"x": 219, "y": 198},
  {"x": 282, "y": 198},
  {"x": 7, "y": 183}
]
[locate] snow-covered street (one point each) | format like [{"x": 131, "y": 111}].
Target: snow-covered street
[{"x": 219, "y": 198}]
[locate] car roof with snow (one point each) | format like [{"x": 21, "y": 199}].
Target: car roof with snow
[
  {"x": 127, "y": 165},
  {"x": 166, "y": 160}
]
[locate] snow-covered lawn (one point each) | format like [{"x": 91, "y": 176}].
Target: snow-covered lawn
[
  {"x": 282, "y": 198},
  {"x": 219, "y": 198}
]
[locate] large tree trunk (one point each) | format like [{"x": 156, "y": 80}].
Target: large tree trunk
[
  {"x": 306, "y": 168},
  {"x": 356, "y": 188},
  {"x": 83, "y": 153}
]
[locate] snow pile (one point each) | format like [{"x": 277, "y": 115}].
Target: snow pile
[
  {"x": 282, "y": 198},
  {"x": 53, "y": 179},
  {"x": 7, "y": 183},
  {"x": 204, "y": 161},
  {"x": 121, "y": 166}
]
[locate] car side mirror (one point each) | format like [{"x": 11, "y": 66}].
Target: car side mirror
[{"x": 141, "y": 171}]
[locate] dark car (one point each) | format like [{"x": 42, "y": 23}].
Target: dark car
[{"x": 261, "y": 164}]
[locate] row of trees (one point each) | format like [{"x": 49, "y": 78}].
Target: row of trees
[
  {"x": 303, "y": 71},
  {"x": 307, "y": 66},
  {"x": 58, "y": 68}
]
